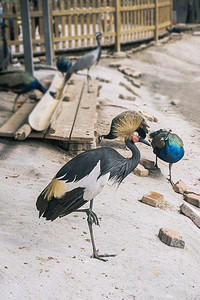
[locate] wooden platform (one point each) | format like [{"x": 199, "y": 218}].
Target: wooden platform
[{"x": 73, "y": 122}]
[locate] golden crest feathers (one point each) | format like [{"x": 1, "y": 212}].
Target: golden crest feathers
[
  {"x": 127, "y": 123},
  {"x": 56, "y": 188}
]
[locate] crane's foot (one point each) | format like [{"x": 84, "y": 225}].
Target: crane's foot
[
  {"x": 92, "y": 217},
  {"x": 101, "y": 256}
]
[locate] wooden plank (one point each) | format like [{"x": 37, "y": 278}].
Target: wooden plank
[
  {"x": 63, "y": 125},
  {"x": 18, "y": 119},
  {"x": 85, "y": 120}
]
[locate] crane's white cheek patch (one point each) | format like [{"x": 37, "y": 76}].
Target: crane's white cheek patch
[{"x": 91, "y": 183}]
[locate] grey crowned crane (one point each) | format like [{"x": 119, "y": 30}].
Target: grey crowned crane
[
  {"x": 126, "y": 121},
  {"x": 81, "y": 179},
  {"x": 86, "y": 61},
  {"x": 5, "y": 52},
  {"x": 168, "y": 147}
]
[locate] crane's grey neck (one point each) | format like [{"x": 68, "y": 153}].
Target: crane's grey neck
[
  {"x": 135, "y": 151},
  {"x": 99, "y": 48}
]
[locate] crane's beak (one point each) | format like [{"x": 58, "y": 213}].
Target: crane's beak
[{"x": 141, "y": 140}]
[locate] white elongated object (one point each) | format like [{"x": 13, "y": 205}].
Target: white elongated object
[{"x": 41, "y": 116}]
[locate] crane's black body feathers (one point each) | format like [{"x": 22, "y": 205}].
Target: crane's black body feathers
[
  {"x": 62, "y": 207},
  {"x": 110, "y": 162}
]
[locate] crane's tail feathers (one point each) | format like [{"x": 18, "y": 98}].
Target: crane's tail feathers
[{"x": 51, "y": 206}]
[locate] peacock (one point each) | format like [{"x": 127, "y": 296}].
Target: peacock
[
  {"x": 63, "y": 64},
  {"x": 19, "y": 82},
  {"x": 178, "y": 28},
  {"x": 5, "y": 51},
  {"x": 125, "y": 121},
  {"x": 168, "y": 147}
]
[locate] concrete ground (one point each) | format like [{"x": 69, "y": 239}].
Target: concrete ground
[{"x": 51, "y": 260}]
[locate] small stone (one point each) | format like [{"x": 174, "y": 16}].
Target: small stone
[
  {"x": 180, "y": 187},
  {"x": 133, "y": 81},
  {"x": 175, "y": 102},
  {"x": 116, "y": 64},
  {"x": 149, "y": 117},
  {"x": 192, "y": 198},
  {"x": 103, "y": 79},
  {"x": 153, "y": 198},
  {"x": 141, "y": 171},
  {"x": 171, "y": 238},
  {"x": 147, "y": 164},
  {"x": 191, "y": 213},
  {"x": 130, "y": 89},
  {"x": 123, "y": 97},
  {"x": 122, "y": 68}
]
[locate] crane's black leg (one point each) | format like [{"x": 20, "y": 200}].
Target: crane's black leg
[
  {"x": 95, "y": 251},
  {"x": 92, "y": 218},
  {"x": 88, "y": 80}
]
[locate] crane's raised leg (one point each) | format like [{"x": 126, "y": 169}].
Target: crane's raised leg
[
  {"x": 92, "y": 218},
  {"x": 88, "y": 79}
]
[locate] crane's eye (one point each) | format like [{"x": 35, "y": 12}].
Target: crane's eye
[{"x": 136, "y": 133}]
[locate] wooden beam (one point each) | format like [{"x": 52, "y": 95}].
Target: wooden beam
[
  {"x": 28, "y": 51},
  {"x": 117, "y": 25},
  {"x": 47, "y": 32},
  {"x": 156, "y": 33}
]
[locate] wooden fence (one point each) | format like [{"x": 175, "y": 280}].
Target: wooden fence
[{"x": 74, "y": 22}]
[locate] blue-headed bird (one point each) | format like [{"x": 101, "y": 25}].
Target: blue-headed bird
[{"x": 168, "y": 147}]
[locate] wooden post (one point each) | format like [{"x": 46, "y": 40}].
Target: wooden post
[
  {"x": 117, "y": 25},
  {"x": 156, "y": 21},
  {"x": 47, "y": 32},
  {"x": 28, "y": 51}
]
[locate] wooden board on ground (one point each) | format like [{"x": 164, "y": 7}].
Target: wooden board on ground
[
  {"x": 19, "y": 118},
  {"x": 62, "y": 126},
  {"x": 75, "y": 124},
  {"x": 72, "y": 123},
  {"x": 85, "y": 119}
]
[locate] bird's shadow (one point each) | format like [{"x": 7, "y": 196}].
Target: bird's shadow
[{"x": 155, "y": 173}]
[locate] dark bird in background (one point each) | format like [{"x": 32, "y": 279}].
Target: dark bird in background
[
  {"x": 86, "y": 61},
  {"x": 125, "y": 121},
  {"x": 178, "y": 28},
  {"x": 5, "y": 51},
  {"x": 81, "y": 179},
  {"x": 19, "y": 82},
  {"x": 168, "y": 147},
  {"x": 63, "y": 64}
]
